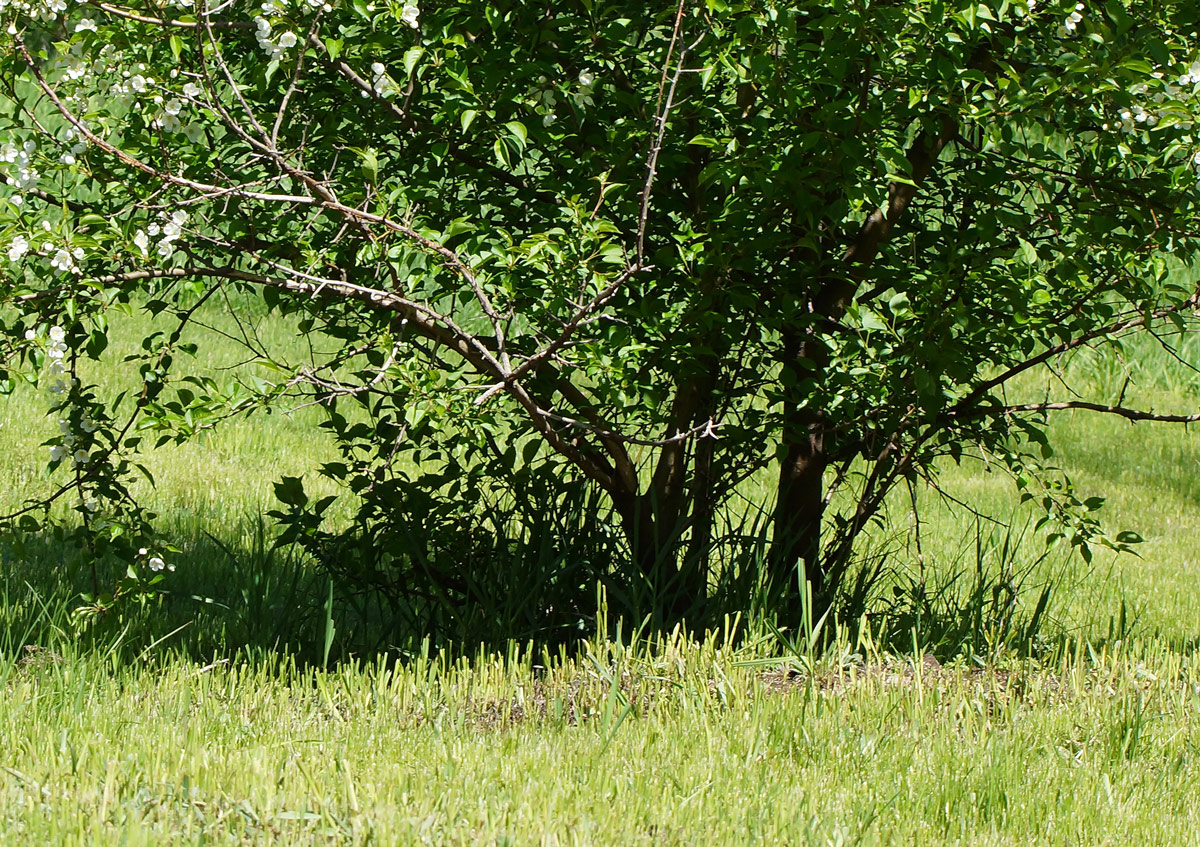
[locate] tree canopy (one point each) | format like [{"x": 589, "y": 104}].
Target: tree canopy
[{"x": 601, "y": 264}]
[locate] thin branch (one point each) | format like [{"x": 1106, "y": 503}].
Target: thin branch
[
  {"x": 708, "y": 429},
  {"x": 661, "y": 127},
  {"x": 1134, "y": 415},
  {"x": 1101, "y": 332},
  {"x": 576, "y": 320},
  {"x": 142, "y": 17},
  {"x": 293, "y": 85},
  {"x": 86, "y": 132}
]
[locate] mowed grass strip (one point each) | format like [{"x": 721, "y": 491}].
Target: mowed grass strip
[{"x": 676, "y": 744}]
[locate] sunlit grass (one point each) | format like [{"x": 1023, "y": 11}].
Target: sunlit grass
[{"x": 667, "y": 744}]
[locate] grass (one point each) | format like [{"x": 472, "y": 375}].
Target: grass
[
  {"x": 665, "y": 744},
  {"x": 184, "y": 724}
]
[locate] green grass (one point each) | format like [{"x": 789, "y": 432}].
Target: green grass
[
  {"x": 181, "y": 723},
  {"x": 671, "y": 744}
]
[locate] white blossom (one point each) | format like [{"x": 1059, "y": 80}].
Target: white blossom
[
  {"x": 409, "y": 14},
  {"x": 18, "y": 248},
  {"x": 23, "y": 175},
  {"x": 62, "y": 261},
  {"x": 383, "y": 85},
  {"x": 1073, "y": 20}
]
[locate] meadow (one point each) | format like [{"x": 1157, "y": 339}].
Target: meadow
[{"x": 246, "y": 707}]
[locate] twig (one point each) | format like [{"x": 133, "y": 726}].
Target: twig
[{"x": 661, "y": 127}]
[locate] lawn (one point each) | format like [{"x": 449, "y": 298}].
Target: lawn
[
  {"x": 211, "y": 717},
  {"x": 671, "y": 743}
]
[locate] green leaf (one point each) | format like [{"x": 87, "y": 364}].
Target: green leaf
[
  {"x": 466, "y": 118},
  {"x": 1139, "y": 65},
  {"x": 871, "y": 320},
  {"x": 518, "y": 131},
  {"x": 457, "y": 227},
  {"x": 927, "y": 385},
  {"x": 368, "y": 162},
  {"x": 370, "y": 166},
  {"x": 411, "y": 57},
  {"x": 290, "y": 491},
  {"x": 501, "y": 151}
]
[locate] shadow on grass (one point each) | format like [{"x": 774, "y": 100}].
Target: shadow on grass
[
  {"x": 232, "y": 590},
  {"x": 224, "y": 596},
  {"x": 238, "y": 593}
]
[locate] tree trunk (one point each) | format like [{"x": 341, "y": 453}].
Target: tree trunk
[
  {"x": 795, "y": 556},
  {"x": 796, "y": 553}
]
